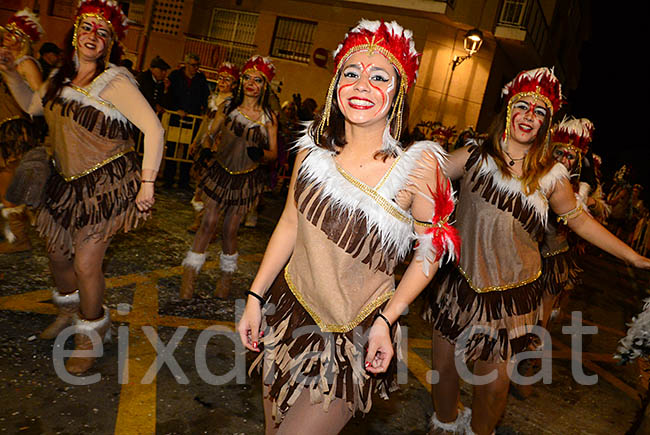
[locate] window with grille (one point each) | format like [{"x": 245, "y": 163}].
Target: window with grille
[
  {"x": 234, "y": 32},
  {"x": 293, "y": 39}
]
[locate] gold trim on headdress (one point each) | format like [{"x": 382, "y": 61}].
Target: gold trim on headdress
[
  {"x": 99, "y": 16},
  {"x": 371, "y": 46}
]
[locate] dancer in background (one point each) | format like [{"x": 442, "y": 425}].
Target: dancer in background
[
  {"x": 17, "y": 132},
  {"x": 232, "y": 180},
  {"x": 485, "y": 309},
  {"x": 227, "y": 79},
  {"x": 357, "y": 201},
  {"x": 97, "y": 187},
  {"x": 570, "y": 140}
]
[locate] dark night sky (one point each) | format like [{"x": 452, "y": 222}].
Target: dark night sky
[{"x": 614, "y": 87}]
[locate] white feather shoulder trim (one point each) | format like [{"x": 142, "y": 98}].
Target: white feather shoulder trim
[
  {"x": 538, "y": 200},
  {"x": 90, "y": 96}
]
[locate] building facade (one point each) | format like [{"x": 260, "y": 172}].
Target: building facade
[{"x": 300, "y": 36}]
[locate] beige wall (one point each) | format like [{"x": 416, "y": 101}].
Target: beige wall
[{"x": 454, "y": 99}]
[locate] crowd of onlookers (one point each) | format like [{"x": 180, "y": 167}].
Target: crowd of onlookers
[{"x": 185, "y": 91}]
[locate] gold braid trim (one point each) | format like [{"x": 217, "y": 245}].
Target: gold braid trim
[
  {"x": 372, "y": 193},
  {"x": 365, "y": 311},
  {"x": 564, "y": 218},
  {"x": 95, "y": 167},
  {"x": 556, "y": 252},
  {"x": 231, "y": 172},
  {"x": 497, "y": 287}
]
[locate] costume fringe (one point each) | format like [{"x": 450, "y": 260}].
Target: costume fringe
[
  {"x": 297, "y": 355},
  {"x": 103, "y": 200},
  {"x": 227, "y": 190},
  {"x": 559, "y": 272},
  {"x": 16, "y": 138},
  {"x": 89, "y": 116},
  {"x": 495, "y": 324}
]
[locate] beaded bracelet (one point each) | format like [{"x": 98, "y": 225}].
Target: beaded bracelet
[{"x": 256, "y": 296}]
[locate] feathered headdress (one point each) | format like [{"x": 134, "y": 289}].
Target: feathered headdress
[
  {"x": 573, "y": 133},
  {"x": 396, "y": 44},
  {"x": 27, "y": 24},
  {"x": 389, "y": 39},
  {"x": 230, "y": 69},
  {"x": 261, "y": 64},
  {"x": 107, "y": 10},
  {"x": 540, "y": 83}
]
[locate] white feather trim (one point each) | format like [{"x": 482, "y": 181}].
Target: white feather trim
[
  {"x": 636, "y": 342},
  {"x": 537, "y": 201},
  {"x": 194, "y": 260},
  {"x": 90, "y": 96},
  {"x": 65, "y": 300},
  {"x": 395, "y": 234},
  {"x": 583, "y": 191},
  {"x": 228, "y": 263},
  {"x": 197, "y": 205},
  {"x": 9, "y": 235}
]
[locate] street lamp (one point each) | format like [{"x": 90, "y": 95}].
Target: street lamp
[{"x": 472, "y": 44}]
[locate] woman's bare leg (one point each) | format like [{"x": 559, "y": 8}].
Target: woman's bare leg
[
  {"x": 489, "y": 400},
  {"x": 206, "y": 229},
  {"x": 231, "y": 222},
  {"x": 312, "y": 419},
  {"x": 88, "y": 259},
  {"x": 446, "y": 392}
]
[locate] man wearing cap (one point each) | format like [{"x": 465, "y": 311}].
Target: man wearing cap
[
  {"x": 153, "y": 83},
  {"x": 50, "y": 56}
]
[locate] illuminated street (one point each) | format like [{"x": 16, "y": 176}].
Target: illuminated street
[{"x": 143, "y": 271}]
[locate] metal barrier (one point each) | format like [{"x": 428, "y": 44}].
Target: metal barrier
[{"x": 180, "y": 132}]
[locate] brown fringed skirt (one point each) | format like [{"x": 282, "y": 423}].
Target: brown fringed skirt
[
  {"x": 560, "y": 272},
  {"x": 16, "y": 138},
  {"x": 492, "y": 326},
  {"x": 102, "y": 203},
  {"x": 296, "y": 354},
  {"x": 222, "y": 189}
]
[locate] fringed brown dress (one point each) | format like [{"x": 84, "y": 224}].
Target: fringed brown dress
[
  {"x": 489, "y": 303},
  {"x": 96, "y": 174},
  {"x": 16, "y": 132},
  {"x": 230, "y": 178},
  {"x": 559, "y": 269},
  {"x": 350, "y": 237}
]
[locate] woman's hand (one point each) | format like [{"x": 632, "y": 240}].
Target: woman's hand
[
  {"x": 145, "y": 200},
  {"x": 380, "y": 348},
  {"x": 249, "y": 325},
  {"x": 6, "y": 60}
]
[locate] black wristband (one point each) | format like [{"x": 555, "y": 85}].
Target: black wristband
[
  {"x": 390, "y": 327},
  {"x": 256, "y": 296},
  {"x": 147, "y": 181}
]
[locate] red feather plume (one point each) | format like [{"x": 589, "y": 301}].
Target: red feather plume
[{"x": 443, "y": 235}]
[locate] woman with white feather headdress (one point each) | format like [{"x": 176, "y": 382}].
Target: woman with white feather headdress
[
  {"x": 17, "y": 132},
  {"x": 485, "y": 309},
  {"x": 358, "y": 200},
  {"x": 97, "y": 187}
]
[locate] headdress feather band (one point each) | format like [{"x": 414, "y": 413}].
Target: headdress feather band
[
  {"x": 230, "y": 69},
  {"x": 107, "y": 10},
  {"x": 26, "y": 23},
  {"x": 261, "y": 64},
  {"x": 573, "y": 133},
  {"x": 389, "y": 39}
]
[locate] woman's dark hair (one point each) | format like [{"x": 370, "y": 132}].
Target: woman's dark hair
[
  {"x": 68, "y": 70},
  {"x": 333, "y": 136},
  {"x": 537, "y": 162},
  {"x": 264, "y": 99}
]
